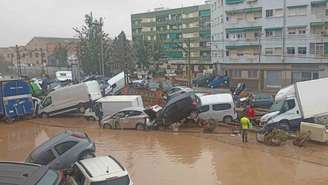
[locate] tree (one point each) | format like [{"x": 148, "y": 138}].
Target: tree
[
  {"x": 93, "y": 43},
  {"x": 147, "y": 52},
  {"x": 122, "y": 52},
  {"x": 61, "y": 55}
]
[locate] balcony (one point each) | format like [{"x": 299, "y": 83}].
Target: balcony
[
  {"x": 244, "y": 23},
  {"x": 245, "y": 43}
]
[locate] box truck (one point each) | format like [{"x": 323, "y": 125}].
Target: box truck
[
  {"x": 299, "y": 102},
  {"x": 15, "y": 99},
  {"x": 69, "y": 99},
  {"x": 112, "y": 104}
]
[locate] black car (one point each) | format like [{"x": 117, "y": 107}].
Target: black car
[
  {"x": 179, "y": 108},
  {"x": 29, "y": 174},
  {"x": 261, "y": 101}
]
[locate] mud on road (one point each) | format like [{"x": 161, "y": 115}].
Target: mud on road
[{"x": 166, "y": 158}]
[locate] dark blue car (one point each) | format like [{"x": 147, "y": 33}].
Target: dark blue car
[{"x": 219, "y": 81}]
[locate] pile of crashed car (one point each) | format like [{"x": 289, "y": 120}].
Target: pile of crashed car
[{"x": 66, "y": 159}]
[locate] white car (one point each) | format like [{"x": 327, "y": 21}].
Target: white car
[{"x": 103, "y": 170}]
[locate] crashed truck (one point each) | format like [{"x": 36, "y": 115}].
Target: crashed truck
[
  {"x": 15, "y": 100},
  {"x": 300, "y": 102}
]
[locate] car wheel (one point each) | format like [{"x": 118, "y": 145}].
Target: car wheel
[
  {"x": 227, "y": 119},
  {"x": 259, "y": 137},
  {"x": 107, "y": 126},
  {"x": 140, "y": 126},
  {"x": 44, "y": 115},
  {"x": 87, "y": 155},
  {"x": 90, "y": 118}
]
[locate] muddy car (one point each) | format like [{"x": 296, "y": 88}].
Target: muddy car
[
  {"x": 129, "y": 118},
  {"x": 181, "y": 107},
  {"x": 63, "y": 150}
]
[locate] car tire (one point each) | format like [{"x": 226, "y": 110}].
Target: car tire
[
  {"x": 44, "y": 115},
  {"x": 140, "y": 126},
  {"x": 87, "y": 155},
  {"x": 107, "y": 126},
  {"x": 227, "y": 119},
  {"x": 90, "y": 118}
]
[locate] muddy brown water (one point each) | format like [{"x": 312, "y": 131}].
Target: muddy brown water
[{"x": 166, "y": 158}]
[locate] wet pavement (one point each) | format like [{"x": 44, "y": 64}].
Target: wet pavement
[{"x": 167, "y": 158}]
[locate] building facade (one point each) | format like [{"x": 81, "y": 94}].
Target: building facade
[
  {"x": 270, "y": 44},
  {"x": 176, "y": 28},
  {"x": 38, "y": 51}
]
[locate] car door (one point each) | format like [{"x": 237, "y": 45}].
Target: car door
[
  {"x": 291, "y": 111},
  {"x": 221, "y": 110},
  {"x": 65, "y": 158},
  {"x": 47, "y": 158},
  {"x": 132, "y": 119},
  {"x": 204, "y": 112}
]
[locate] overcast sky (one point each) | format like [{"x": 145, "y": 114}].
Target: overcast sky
[{"x": 20, "y": 20}]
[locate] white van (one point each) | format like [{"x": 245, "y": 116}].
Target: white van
[
  {"x": 70, "y": 98},
  {"x": 64, "y": 75},
  {"x": 112, "y": 104},
  {"x": 219, "y": 107}
]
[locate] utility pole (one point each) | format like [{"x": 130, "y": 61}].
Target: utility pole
[
  {"x": 102, "y": 53},
  {"x": 19, "y": 69},
  {"x": 284, "y": 32},
  {"x": 259, "y": 64},
  {"x": 189, "y": 63}
]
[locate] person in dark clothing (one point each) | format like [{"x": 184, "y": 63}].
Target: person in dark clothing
[{"x": 99, "y": 113}]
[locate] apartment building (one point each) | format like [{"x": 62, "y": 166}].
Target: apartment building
[
  {"x": 39, "y": 51},
  {"x": 270, "y": 44},
  {"x": 175, "y": 28}
]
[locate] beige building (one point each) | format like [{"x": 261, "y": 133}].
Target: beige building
[{"x": 38, "y": 51}]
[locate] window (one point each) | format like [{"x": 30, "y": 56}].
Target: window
[
  {"x": 220, "y": 107},
  {"x": 78, "y": 175},
  {"x": 236, "y": 73},
  {"x": 204, "y": 108},
  {"x": 297, "y": 11},
  {"x": 278, "y": 12},
  {"x": 46, "y": 158},
  {"x": 51, "y": 177},
  {"x": 36, "y": 55},
  {"x": 291, "y": 51},
  {"x": 64, "y": 147},
  {"x": 47, "y": 102},
  {"x": 134, "y": 113},
  {"x": 269, "y": 13},
  {"x": 288, "y": 105},
  {"x": 291, "y": 31},
  {"x": 304, "y": 76},
  {"x": 252, "y": 73},
  {"x": 317, "y": 49},
  {"x": 269, "y": 51},
  {"x": 273, "y": 79},
  {"x": 269, "y": 33},
  {"x": 301, "y": 50}
]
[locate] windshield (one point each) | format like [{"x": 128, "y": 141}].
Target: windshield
[
  {"x": 50, "y": 178},
  {"x": 125, "y": 180},
  {"x": 276, "y": 106}
]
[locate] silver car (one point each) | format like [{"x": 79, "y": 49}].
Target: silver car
[
  {"x": 176, "y": 91},
  {"x": 129, "y": 118},
  {"x": 63, "y": 150}
]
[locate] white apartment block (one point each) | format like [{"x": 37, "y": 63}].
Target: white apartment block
[{"x": 248, "y": 41}]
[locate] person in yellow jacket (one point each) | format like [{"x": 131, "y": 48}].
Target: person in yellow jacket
[{"x": 245, "y": 124}]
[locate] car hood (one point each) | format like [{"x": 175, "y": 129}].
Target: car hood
[
  {"x": 152, "y": 111},
  {"x": 268, "y": 116}
]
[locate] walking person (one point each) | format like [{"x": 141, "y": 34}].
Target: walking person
[{"x": 245, "y": 125}]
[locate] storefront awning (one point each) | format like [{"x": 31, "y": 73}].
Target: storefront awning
[
  {"x": 242, "y": 46},
  {"x": 247, "y": 10},
  {"x": 273, "y": 29},
  {"x": 319, "y": 23},
  {"x": 319, "y": 3},
  {"x": 233, "y": 1},
  {"x": 298, "y": 6},
  {"x": 245, "y": 29}
]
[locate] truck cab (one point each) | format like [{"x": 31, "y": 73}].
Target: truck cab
[{"x": 285, "y": 111}]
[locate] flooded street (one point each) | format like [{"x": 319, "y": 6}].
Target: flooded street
[{"x": 166, "y": 158}]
